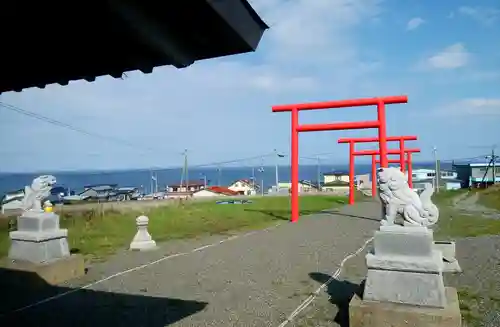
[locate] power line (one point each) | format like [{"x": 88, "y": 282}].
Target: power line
[{"x": 74, "y": 128}]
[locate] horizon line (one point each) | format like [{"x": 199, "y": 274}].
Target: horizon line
[{"x": 195, "y": 167}]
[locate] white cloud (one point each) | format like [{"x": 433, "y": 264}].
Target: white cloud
[
  {"x": 414, "y": 23},
  {"x": 483, "y": 15},
  {"x": 471, "y": 107},
  {"x": 452, "y": 57}
]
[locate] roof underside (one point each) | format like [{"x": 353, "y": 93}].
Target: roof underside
[{"x": 47, "y": 42}]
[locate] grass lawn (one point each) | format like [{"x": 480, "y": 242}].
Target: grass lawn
[
  {"x": 453, "y": 224},
  {"x": 96, "y": 234},
  {"x": 490, "y": 197}
]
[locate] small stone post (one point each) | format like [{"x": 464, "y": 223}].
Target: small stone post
[{"x": 142, "y": 240}]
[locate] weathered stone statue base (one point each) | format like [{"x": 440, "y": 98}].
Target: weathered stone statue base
[
  {"x": 39, "y": 244},
  {"x": 405, "y": 259},
  {"x": 404, "y": 284},
  {"x": 385, "y": 314},
  {"x": 38, "y": 238}
]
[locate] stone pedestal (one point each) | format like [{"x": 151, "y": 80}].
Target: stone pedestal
[
  {"x": 447, "y": 248},
  {"x": 405, "y": 280},
  {"x": 385, "y": 314},
  {"x": 142, "y": 240},
  {"x": 40, "y": 245},
  {"x": 405, "y": 259},
  {"x": 38, "y": 238}
]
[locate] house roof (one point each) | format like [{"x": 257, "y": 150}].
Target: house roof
[
  {"x": 221, "y": 190},
  {"x": 100, "y": 187},
  {"x": 308, "y": 183},
  {"x": 189, "y": 183},
  {"x": 69, "y": 41}
]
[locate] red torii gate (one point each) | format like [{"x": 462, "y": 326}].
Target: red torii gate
[
  {"x": 353, "y": 140},
  {"x": 380, "y": 124},
  {"x": 373, "y": 153}
]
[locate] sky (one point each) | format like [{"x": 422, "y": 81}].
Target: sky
[{"x": 444, "y": 55}]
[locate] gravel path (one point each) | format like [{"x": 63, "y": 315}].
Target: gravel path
[
  {"x": 468, "y": 204},
  {"x": 251, "y": 280}
]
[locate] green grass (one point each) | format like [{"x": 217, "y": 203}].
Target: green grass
[
  {"x": 474, "y": 307},
  {"x": 97, "y": 234},
  {"x": 490, "y": 197},
  {"x": 454, "y": 224}
]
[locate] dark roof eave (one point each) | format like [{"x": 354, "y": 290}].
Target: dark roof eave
[{"x": 117, "y": 41}]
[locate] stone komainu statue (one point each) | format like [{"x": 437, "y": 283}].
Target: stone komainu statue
[
  {"x": 398, "y": 198},
  {"x": 37, "y": 192}
]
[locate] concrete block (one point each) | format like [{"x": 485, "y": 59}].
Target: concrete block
[
  {"x": 53, "y": 272},
  {"x": 432, "y": 264},
  {"x": 422, "y": 289},
  {"x": 379, "y": 314},
  {"x": 34, "y": 221},
  {"x": 38, "y": 247},
  {"x": 448, "y": 249},
  {"x": 403, "y": 241}
]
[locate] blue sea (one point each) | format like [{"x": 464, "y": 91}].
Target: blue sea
[{"x": 141, "y": 178}]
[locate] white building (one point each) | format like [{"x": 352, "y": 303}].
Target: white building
[
  {"x": 447, "y": 181},
  {"x": 244, "y": 187},
  {"x": 421, "y": 174}
]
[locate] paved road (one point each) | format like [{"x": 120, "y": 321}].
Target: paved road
[{"x": 251, "y": 280}]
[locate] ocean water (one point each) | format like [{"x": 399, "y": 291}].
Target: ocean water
[{"x": 142, "y": 178}]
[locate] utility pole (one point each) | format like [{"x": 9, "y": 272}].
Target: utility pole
[
  {"x": 186, "y": 169},
  {"x": 219, "y": 176},
  {"x": 204, "y": 180},
  {"x": 493, "y": 158},
  {"x": 319, "y": 173},
  {"x": 436, "y": 172},
  {"x": 276, "y": 170},
  {"x": 151, "y": 179},
  {"x": 253, "y": 177}
]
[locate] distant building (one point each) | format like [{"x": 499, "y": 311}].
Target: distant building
[
  {"x": 244, "y": 187},
  {"x": 99, "y": 192},
  {"x": 304, "y": 186},
  {"x": 189, "y": 187},
  {"x": 477, "y": 174},
  {"x": 444, "y": 184},
  {"x": 363, "y": 181},
  {"x": 214, "y": 191},
  {"x": 336, "y": 176},
  {"x": 424, "y": 174}
]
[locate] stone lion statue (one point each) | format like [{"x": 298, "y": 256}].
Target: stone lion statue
[
  {"x": 37, "y": 192},
  {"x": 398, "y": 198}
]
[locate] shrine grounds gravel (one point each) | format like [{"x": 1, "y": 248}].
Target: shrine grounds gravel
[
  {"x": 259, "y": 279},
  {"x": 251, "y": 280}
]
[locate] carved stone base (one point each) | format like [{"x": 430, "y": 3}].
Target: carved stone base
[
  {"x": 405, "y": 268},
  {"x": 38, "y": 238},
  {"x": 383, "y": 314}
]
